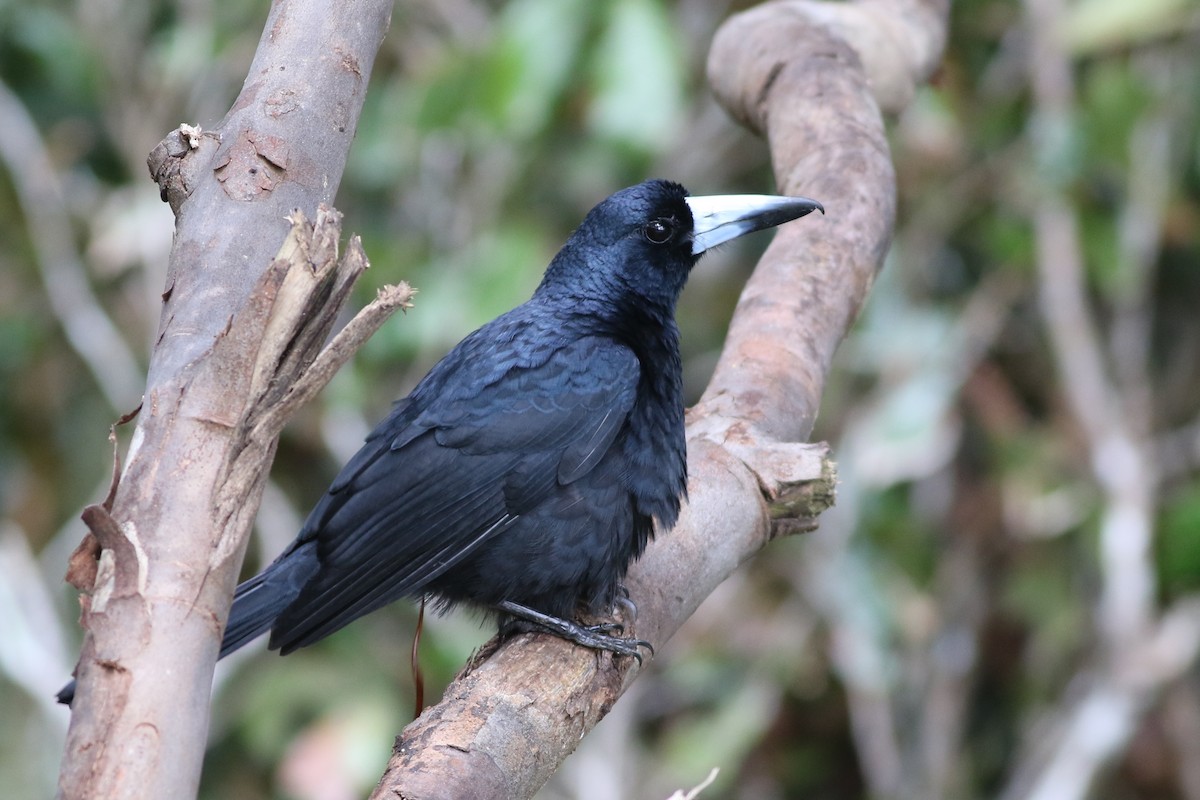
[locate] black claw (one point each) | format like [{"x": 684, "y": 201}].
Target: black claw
[
  {"x": 626, "y": 608},
  {"x": 623, "y": 604}
]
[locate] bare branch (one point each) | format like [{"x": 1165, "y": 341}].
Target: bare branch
[{"x": 240, "y": 324}]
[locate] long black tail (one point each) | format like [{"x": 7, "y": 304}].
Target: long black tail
[{"x": 257, "y": 603}]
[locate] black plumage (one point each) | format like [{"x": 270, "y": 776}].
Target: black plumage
[{"x": 528, "y": 469}]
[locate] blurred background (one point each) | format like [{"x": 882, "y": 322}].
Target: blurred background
[{"x": 1006, "y": 600}]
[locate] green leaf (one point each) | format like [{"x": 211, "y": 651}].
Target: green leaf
[
  {"x": 1092, "y": 25},
  {"x": 1179, "y": 541},
  {"x": 638, "y": 78},
  {"x": 531, "y": 64}
]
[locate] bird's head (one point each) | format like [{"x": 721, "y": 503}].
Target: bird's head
[{"x": 640, "y": 243}]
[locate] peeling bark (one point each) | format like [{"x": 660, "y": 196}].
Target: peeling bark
[{"x": 242, "y": 322}]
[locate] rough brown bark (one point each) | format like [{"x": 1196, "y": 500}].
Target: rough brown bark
[
  {"x": 242, "y": 321},
  {"x": 811, "y": 77}
]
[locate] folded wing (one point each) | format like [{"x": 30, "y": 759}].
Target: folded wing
[{"x": 442, "y": 476}]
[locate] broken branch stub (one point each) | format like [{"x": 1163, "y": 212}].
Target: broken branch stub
[
  {"x": 298, "y": 300},
  {"x": 178, "y": 161}
]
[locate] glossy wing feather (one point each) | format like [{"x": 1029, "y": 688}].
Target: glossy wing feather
[{"x": 443, "y": 475}]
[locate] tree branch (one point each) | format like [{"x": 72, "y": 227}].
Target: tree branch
[
  {"x": 39, "y": 189},
  {"x": 239, "y": 326},
  {"x": 505, "y": 726}
]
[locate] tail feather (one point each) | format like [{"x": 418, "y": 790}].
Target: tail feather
[{"x": 258, "y": 602}]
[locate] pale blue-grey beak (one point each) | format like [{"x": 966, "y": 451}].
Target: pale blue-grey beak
[{"x": 722, "y": 217}]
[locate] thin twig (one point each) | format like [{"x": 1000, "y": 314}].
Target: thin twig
[
  {"x": 39, "y": 190},
  {"x": 344, "y": 344},
  {"x": 694, "y": 792}
]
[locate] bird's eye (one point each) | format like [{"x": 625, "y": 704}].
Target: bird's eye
[{"x": 659, "y": 231}]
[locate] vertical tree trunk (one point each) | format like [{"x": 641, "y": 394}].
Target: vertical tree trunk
[{"x": 235, "y": 328}]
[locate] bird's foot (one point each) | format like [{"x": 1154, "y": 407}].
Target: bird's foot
[{"x": 597, "y": 637}]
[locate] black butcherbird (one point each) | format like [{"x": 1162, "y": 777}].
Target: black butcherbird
[{"x": 526, "y": 471}]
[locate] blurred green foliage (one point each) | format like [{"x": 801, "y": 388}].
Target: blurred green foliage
[{"x": 961, "y": 566}]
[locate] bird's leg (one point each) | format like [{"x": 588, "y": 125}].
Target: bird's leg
[{"x": 597, "y": 637}]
